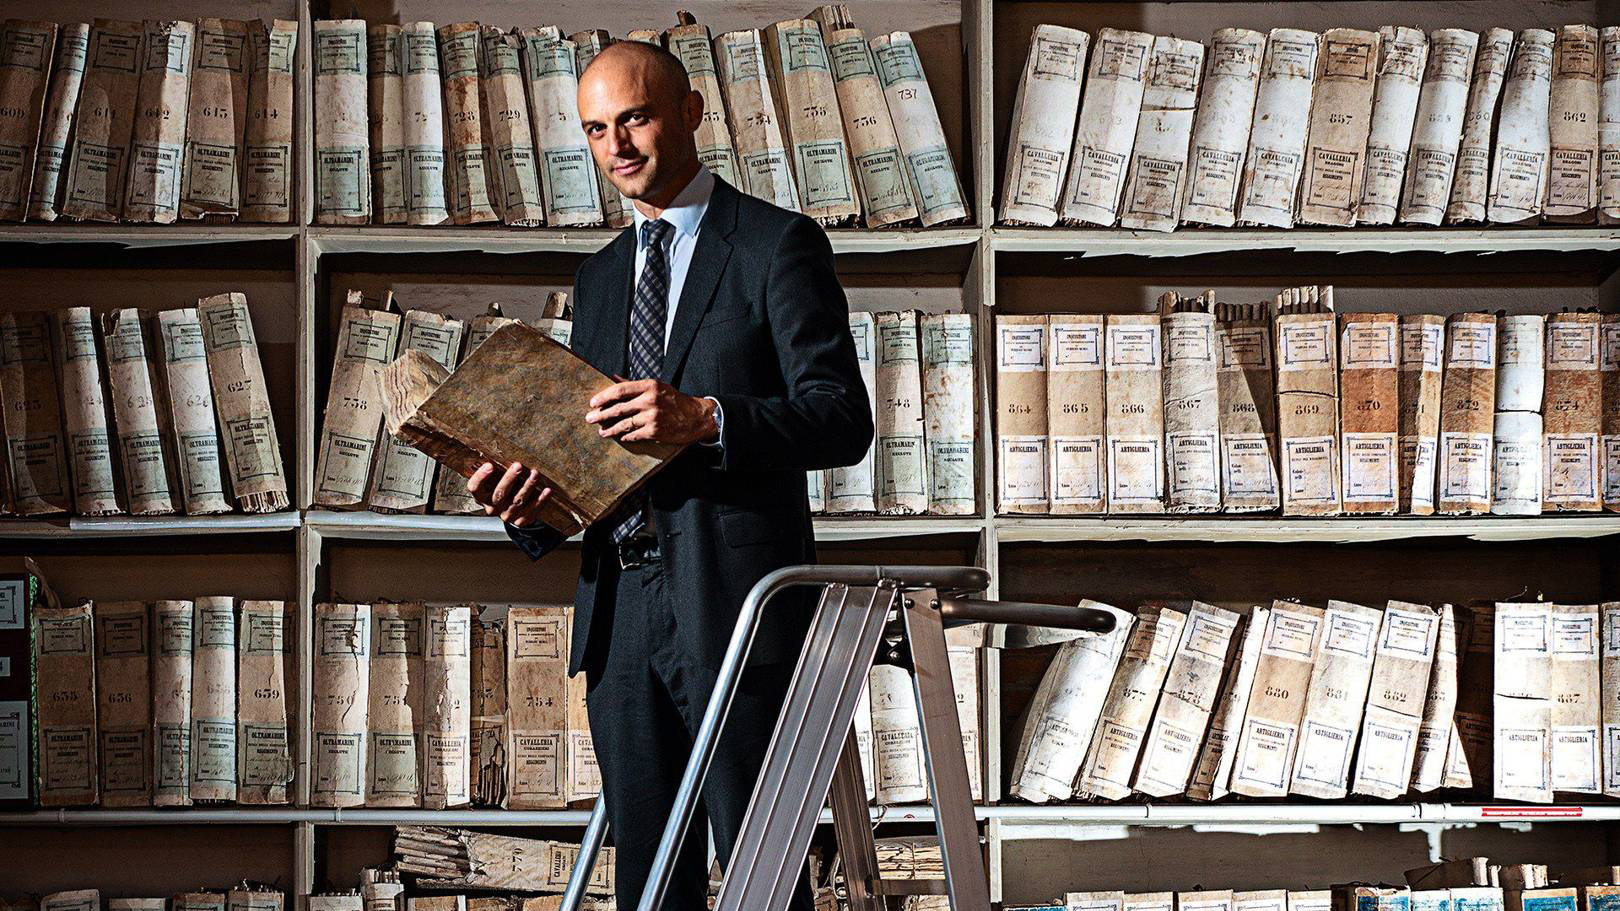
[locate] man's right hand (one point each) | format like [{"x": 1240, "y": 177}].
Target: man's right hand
[{"x": 515, "y": 494}]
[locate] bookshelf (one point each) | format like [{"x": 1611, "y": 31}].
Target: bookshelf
[{"x": 972, "y": 50}]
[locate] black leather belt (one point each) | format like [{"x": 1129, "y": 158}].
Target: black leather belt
[{"x": 639, "y": 550}]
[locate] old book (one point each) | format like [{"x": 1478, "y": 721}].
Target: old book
[
  {"x": 1247, "y": 397},
  {"x": 898, "y": 774},
  {"x": 1135, "y": 418},
  {"x": 100, "y": 149},
  {"x": 1128, "y": 707},
  {"x": 1609, "y": 692},
  {"x": 948, "y": 412},
  {"x": 1272, "y": 166},
  {"x": 1516, "y": 440},
  {"x": 1608, "y": 126},
  {"x": 65, "y": 687},
  {"x": 514, "y": 166},
  {"x": 1467, "y": 415},
  {"x": 1471, "y": 184},
  {"x": 450, "y": 494},
  {"x": 756, "y": 128},
  {"x": 902, "y": 459},
  {"x": 141, "y": 415},
  {"x": 1065, "y": 709},
  {"x": 556, "y": 318},
  {"x": 1306, "y": 337},
  {"x": 1522, "y": 707},
  {"x": 1220, "y": 136},
  {"x": 1422, "y": 343},
  {"x": 1273, "y": 900},
  {"x": 1212, "y": 775},
  {"x": 1402, "y": 661},
  {"x": 1572, "y": 126},
  {"x": 1074, "y": 411},
  {"x": 56, "y": 122},
  {"x": 1519, "y": 158},
  {"x": 366, "y": 343},
  {"x": 461, "y": 420},
  {"x": 264, "y": 756},
  {"x": 426, "y": 200},
  {"x": 1403, "y": 52},
  {"x": 242, "y": 403},
  {"x": 1270, "y": 734},
  {"x": 467, "y": 149},
  {"x": 885, "y": 196},
  {"x": 267, "y": 139},
  {"x": 853, "y": 488},
  {"x": 402, "y": 475},
  {"x": 1213, "y": 900},
  {"x": 216, "y": 121},
  {"x": 1335, "y": 700},
  {"x": 381, "y": 890},
  {"x": 1609, "y": 424},
  {"x": 394, "y": 706},
  {"x": 1106, "y": 127},
  {"x": 616, "y": 207},
  {"x": 934, "y": 182},
  {"x": 1192, "y": 431},
  {"x": 1341, "y": 116},
  {"x": 488, "y": 695},
  {"x": 342, "y": 135},
  {"x": 861, "y": 726},
  {"x": 80, "y": 900},
  {"x": 255, "y": 898},
  {"x": 1462, "y": 872},
  {"x": 1369, "y": 411},
  {"x": 213, "y": 699},
  {"x": 1094, "y": 901},
  {"x": 583, "y": 779},
  {"x": 340, "y": 699},
  {"x": 171, "y": 655},
  {"x": 199, "y": 480},
  {"x": 462, "y": 859},
  {"x": 385, "y": 100},
  {"x": 568, "y": 175},
  {"x": 963, "y": 653},
  {"x": 1577, "y": 761},
  {"x": 1023, "y": 388},
  {"x": 1469, "y": 754},
  {"x": 807, "y": 103},
  {"x": 1439, "y": 701},
  {"x": 84, "y": 414},
  {"x": 1191, "y": 684},
  {"x": 815, "y": 489},
  {"x": 692, "y": 43},
  {"x": 1156, "y": 180},
  {"x": 446, "y": 721},
  {"x": 537, "y": 710},
  {"x": 23, "y": 589},
  {"x": 1572, "y": 413},
  {"x": 26, "y": 52},
  {"x": 123, "y": 703},
  {"x": 1043, "y": 120},
  {"x": 1357, "y": 897},
  {"x": 30, "y": 406},
  {"x": 1437, "y": 132}
]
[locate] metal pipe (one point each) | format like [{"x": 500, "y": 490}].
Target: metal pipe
[
  {"x": 972, "y": 610},
  {"x": 589, "y": 844}
]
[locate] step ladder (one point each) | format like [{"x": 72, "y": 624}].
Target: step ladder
[{"x": 867, "y": 614}]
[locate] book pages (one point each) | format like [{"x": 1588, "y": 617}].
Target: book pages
[
  {"x": 1282, "y": 106},
  {"x": 264, "y": 759},
  {"x": 934, "y": 182},
  {"x": 1135, "y": 419},
  {"x": 948, "y": 412},
  {"x": 1335, "y": 700},
  {"x": 26, "y": 53},
  {"x": 1577, "y": 761},
  {"x": 1608, "y": 125},
  {"x": 807, "y": 104},
  {"x": 385, "y": 96},
  {"x": 1192, "y": 682},
  {"x": 568, "y": 174},
  {"x": 394, "y": 706},
  {"x": 537, "y": 709},
  {"x": 1609, "y": 424},
  {"x": 1522, "y": 710},
  {"x": 1516, "y": 464},
  {"x": 1609, "y": 693},
  {"x": 1106, "y": 127},
  {"x": 1467, "y": 415},
  {"x": 215, "y": 121},
  {"x": 30, "y": 410},
  {"x": 100, "y": 149},
  {"x": 56, "y": 123},
  {"x": 1248, "y": 408},
  {"x": 1519, "y": 156},
  {"x": 1212, "y": 775},
  {"x": 693, "y": 44},
  {"x": 84, "y": 414},
  {"x": 1471, "y": 183},
  {"x": 1157, "y": 177},
  {"x": 1402, "y": 662},
  {"x": 467, "y": 147},
  {"x": 267, "y": 181},
  {"x": 897, "y": 758},
  {"x": 1192, "y": 432},
  {"x": 1402, "y": 56},
  {"x": 1439, "y": 703},
  {"x": 1308, "y": 401},
  {"x": 171, "y": 651},
  {"x": 1043, "y": 120},
  {"x": 140, "y": 415},
  {"x": 342, "y": 135},
  {"x": 1277, "y": 700},
  {"x": 853, "y": 488},
  {"x": 1422, "y": 343},
  {"x": 616, "y": 207},
  {"x": 341, "y": 698},
  {"x": 402, "y": 475},
  {"x": 1220, "y": 134},
  {"x": 756, "y": 130},
  {"x": 1128, "y": 707},
  {"x": 213, "y": 699},
  {"x": 1064, "y": 711},
  {"x": 1369, "y": 411},
  {"x": 515, "y": 181},
  {"x": 123, "y": 703},
  {"x": 191, "y": 412},
  {"x": 1468, "y": 756},
  {"x": 1073, "y": 414},
  {"x": 1341, "y": 116},
  {"x": 1571, "y": 411},
  {"x": 1572, "y": 126},
  {"x": 1022, "y": 391},
  {"x": 902, "y": 460},
  {"x": 65, "y": 729},
  {"x": 488, "y": 694},
  {"x": 426, "y": 193},
  {"x": 1437, "y": 134},
  {"x": 242, "y": 401},
  {"x": 366, "y": 342},
  {"x": 446, "y": 720}
]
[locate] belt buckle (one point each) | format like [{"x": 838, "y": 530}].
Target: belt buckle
[{"x": 638, "y": 546}]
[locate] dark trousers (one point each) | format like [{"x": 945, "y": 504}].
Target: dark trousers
[{"x": 646, "y": 700}]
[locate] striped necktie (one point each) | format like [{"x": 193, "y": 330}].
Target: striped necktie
[{"x": 646, "y": 344}]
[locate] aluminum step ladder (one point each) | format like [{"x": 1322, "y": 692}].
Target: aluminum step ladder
[{"x": 867, "y": 615}]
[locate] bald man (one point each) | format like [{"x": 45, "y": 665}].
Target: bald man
[{"x": 723, "y": 317}]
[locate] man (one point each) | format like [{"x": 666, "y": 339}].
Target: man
[{"x": 723, "y": 317}]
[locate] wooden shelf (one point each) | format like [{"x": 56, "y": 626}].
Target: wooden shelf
[
  {"x": 392, "y": 526},
  {"x": 145, "y": 527},
  {"x": 1196, "y": 241},
  {"x": 144, "y": 236},
  {"x": 584, "y": 241},
  {"x": 1281, "y": 530}
]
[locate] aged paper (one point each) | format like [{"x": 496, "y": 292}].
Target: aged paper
[
  {"x": 1216, "y": 900},
  {"x": 965, "y": 685},
  {"x": 242, "y": 401},
  {"x": 515, "y": 180},
  {"x": 1191, "y": 684},
  {"x": 1608, "y": 125},
  {"x": 568, "y": 174},
  {"x": 537, "y": 707},
  {"x": 1335, "y": 700},
  {"x": 100, "y": 150},
  {"x": 1402, "y": 55},
  {"x": 1523, "y": 703},
  {"x": 1271, "y": 724},
  {"x": 488, "y": 695},
  {"x": 1422, "y": 343},
  {"x": 1272, "y": 900},
  {"x": 264, "y": 757},
  {"x": 758, "y": 133},
  {"x": 341, "y": 697},
  {"x": 1519, "y": 155},
  {"x": 1043, "y": 121},
  {"x": 1609, "y": 367},
  {"x": 124, "y": 703},
  {"x": 1402, "y": 662},
  {"x": 25, "y": 68},
  {"x": 450, "y": 493},
  {"x": 1128, "y": 707},
  {"x": 267, "y": 168},
  {"x": 902, "y": 459},
  {"x": 1437, "y": 133},
  {"x": 171, "y": 651},
  {"x": 426, "y": 193},
  {"x": 446, "y": 721},
  {"x": 853, "y": 487},
  {"x": 56, "y": 124},
  {"x": 402, "y": 475},
  {"x": 616, "y": 207},
  {"x": 1341, "y": 116},
  {"x": 1306, "y": 339},
  {"x": 862, "y": 728},
  {"x": 1369, "y": 411},
  {"x": 200, "y": 483},
  {"x": 874, "y": 147},
  {"x": 467, "y": 149},
  {"x": 1275, "y": 158},
  {"x": 948, "y": 412},
  {"x": 1519, "y": 362},
  {"x": 1022, "y": 391},
  {"x": 366, "y": 341},
  {"x": 1220, "y": 135},
  {"x": 1248, "y": 405},
  {"x": 692, "y": 43},
  {"x": 84, "y": 414},
  {"x": 213, "y": 699},
  {"x": 1468, "y": 756},
  {"x": 1609, "y": 693},
  {"x": 583, "y": 780},
  {"x": 1470, "y": 186},
  {"x": 1106, "y": 127},
  {"x": 934, "y": 182},
  {"x": 342, "y": 135},
  {"x": 1157, "y": 178},
  {"x": 460, "y": 859},
  {"x": 1516, "y": 464},
  {"x": 1211, "y": 777},
  {"x": 1134, "y": 424},
  {"x": 1073, "y": 414},
  {"x": 140, "y": 414},
  {"x": 1439, "y": 703},
  {"x": 385, "y": 96},
  {"x": 216, "y": 120},
  {"x": 807, "y": 102},
  {"x": 897, "y": 759},
  {"x": 30, "y": 406},
  {"x": 1192, "y": 432},
  {"x": 394, "y": 706},
  {"x": 1572, "y": 126},
  {"x": 1467, "y": 415},
  {"x": 1577, "y": 748},
  {"x": 65, "y": 725},
  {"x": 1571, "y": 411}
]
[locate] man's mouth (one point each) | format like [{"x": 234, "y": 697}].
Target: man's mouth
[{"x": 625, "y": 170}]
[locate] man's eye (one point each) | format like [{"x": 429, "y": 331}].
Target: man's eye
[{"x": 638, "y": 118}]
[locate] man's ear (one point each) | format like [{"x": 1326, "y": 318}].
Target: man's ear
[{"x": 694, "y": 109}]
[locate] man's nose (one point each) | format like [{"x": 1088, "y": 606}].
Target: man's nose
[{"x": 619, "y": 143}]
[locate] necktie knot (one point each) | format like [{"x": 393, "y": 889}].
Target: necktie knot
[{"x": 653, "y": 232}]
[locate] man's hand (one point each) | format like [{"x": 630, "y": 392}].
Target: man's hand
[
  {"x": 512, "y": 494},
  {"x": 636, "y": 410}
]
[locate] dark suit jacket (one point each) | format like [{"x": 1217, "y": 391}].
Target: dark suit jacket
[{"x": 763, "y": 326}]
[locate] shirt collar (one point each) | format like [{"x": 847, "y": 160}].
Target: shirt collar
[{"x": 686, "y": 210}]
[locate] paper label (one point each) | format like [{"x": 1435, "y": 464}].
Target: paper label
[
  {"x": 1020, "y": 348},
  {"x": 1369, "y": 467},
  {"x": 1077, "y": 468}
]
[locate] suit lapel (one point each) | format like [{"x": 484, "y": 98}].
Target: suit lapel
[
  {"x": 702, "y": 276},
  {"x": 612, "y": 311}
]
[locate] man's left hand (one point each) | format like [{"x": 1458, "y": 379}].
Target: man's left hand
[{"x": 649, "y": 410}]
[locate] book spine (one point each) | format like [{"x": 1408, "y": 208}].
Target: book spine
[{"x": 216, "y": 122}]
